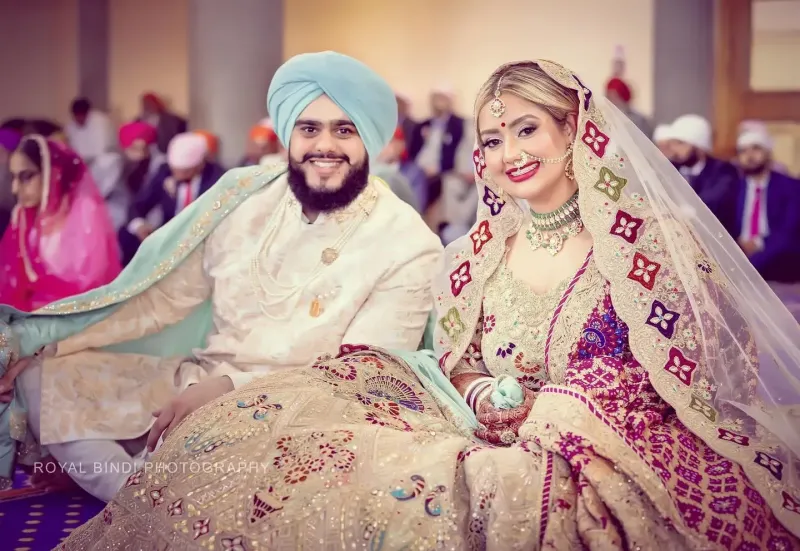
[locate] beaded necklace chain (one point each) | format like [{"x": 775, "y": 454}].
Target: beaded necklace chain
[{"x": 549, "y": 230}]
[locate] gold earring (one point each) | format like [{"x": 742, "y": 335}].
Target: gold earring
[{"x": 568, "y": 169}]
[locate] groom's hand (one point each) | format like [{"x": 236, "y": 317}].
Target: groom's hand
[
  {"x": 184, "y": 404},
  {"x": 7, "y": 381}
]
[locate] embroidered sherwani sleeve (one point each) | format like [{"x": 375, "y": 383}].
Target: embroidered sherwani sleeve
[
  {"x": 165, "y": 303},
  {"x": 396, "y": 313}
]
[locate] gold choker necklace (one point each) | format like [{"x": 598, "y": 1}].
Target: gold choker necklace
[{"x": 551, "y": 229}]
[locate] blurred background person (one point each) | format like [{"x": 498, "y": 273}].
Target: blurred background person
[
  {"x": 717, "y": 182},
  {"x": 769, "y": 207},
  {"x": 154, "y": 111},
  {"x": 262, "y": 146},
  {"x": 186, "y": 175},
  {"x": 60, "y": 241},
  {"x": 212, "y": 144},
  {"x": 89, "y": 133},
  {"x": 9, "y": 140}
]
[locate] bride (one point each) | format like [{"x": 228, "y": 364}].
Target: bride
[{"x": 612, "y": 374}]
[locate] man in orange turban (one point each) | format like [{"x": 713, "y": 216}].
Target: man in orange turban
[
  {"x": 212, "y": 144},
  {"x": 262, "y": 142}
]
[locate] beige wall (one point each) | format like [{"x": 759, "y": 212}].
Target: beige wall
[
  {"x": 773, "y": 60},
  {"x": 149, "y": 51},
  {"x": 417, "y": 44},
  {"x": 39, "y": 64}
]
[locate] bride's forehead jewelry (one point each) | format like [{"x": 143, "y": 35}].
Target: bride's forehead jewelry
[
  {"x": 525, "y": 158},
  {"x": 497, "y": 107}
]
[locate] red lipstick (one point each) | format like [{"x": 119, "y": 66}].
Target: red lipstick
[{"x": 518, "y": 175}]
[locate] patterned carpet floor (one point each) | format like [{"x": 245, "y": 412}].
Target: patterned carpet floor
[{"x": 32, "y": 520}]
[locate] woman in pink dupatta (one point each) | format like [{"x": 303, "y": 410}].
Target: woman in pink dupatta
[{"x": 61, "y": 241}]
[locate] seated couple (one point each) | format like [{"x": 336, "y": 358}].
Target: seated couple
[{"x": 606, "y": 375}]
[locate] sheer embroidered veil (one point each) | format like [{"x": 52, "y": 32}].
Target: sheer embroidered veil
[{"x": 717, "y": 343}]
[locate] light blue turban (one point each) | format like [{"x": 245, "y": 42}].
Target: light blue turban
[{"x": 360, "y": 92}]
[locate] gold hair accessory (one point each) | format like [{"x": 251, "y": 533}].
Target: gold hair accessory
[{"x": 497, "y": 107}]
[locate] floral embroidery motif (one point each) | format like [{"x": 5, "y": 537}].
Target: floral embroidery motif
[
  {"x": 175, "y": 508},
  {"x": 610, "y": 184},
  {"x": 414, "y": 489},
  {"x": 587, "y": 94},
  {"x": 774, "y": 466},
  {"x": 337, "y": 370},
  {"x": 157, "y": 496},
  {"x": 644, "y": 271},
  {"x": 662, "y": 319},
  {"x": 134, "y": 480},
  {"x": 627, "y": 227},
  {"x": 480, "y": 236},
  {"x": 506, "y": 350},
  {"x": 394, "y": 390},
  {"x": 387, "y": 421},
  {"x": 262, "y": 409},
  {"x": 349, "y": 349},
  {"x": 200, "y": 527},
  {"x": 473, "y": 354},
  {"x": 493, "y": 201},
  {"x": 452, "y": 324},
  {"x": 460, "y": 278},
  {"x": 479, "y": 161},
  {"x": 107, "y": 516},
  {"x": 489, "y": 323},
  {"x": 705, "y": 266},
  {"x": 680, "y": 366},
  {"x": 411, "y": 490},
  {"x": 595, "y": 139},
  {"x": 790, "y": 503},
  {"x": 704, "y": 408},
  {"x": 729, "y": 436},
  {"x": 233, "y": 544}
]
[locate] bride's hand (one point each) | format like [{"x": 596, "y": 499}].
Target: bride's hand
[{"x": 501, "y": 426}]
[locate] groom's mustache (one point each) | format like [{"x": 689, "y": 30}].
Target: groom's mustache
[{"x": 329, "y": 155}]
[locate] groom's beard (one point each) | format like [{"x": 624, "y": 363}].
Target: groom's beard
[
  {"x": 688, "y": 162},
  {"x": 323, "y": 200}
]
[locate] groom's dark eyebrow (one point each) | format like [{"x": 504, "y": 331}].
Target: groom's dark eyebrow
[
  {"x": 336, "y": 123},
  {"x": 515, "y": 122}
]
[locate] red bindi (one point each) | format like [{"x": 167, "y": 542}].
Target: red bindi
[{"x": 503, "y": 125}]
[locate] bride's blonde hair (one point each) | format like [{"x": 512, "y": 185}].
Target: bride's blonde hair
[{"x": 530, "y": 82}]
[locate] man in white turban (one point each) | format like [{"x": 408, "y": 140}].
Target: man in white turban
[
  {"x": 770, "y": 210},
  {"x": 715, "y": 181},
  {"x": 178, "y": 183},
  {"x": 317, "y": 255}
]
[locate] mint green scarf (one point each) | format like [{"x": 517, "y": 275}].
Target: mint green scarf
[{"x": 25, "y": 333}]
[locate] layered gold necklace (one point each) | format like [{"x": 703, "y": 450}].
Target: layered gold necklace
[
  {"x": 549, "y": 230},
  {"x": 275, "y": 292}
]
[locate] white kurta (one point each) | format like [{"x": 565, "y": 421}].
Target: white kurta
[{"x": 378, "y": 292}]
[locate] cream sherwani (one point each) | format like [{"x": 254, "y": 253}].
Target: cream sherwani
[{"x": 377, "y": 291}]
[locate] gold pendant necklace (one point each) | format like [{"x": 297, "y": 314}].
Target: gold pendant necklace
[{"x": 548, "y": 231}]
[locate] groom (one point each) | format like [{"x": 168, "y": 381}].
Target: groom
[{"x": 316, "y": 255}]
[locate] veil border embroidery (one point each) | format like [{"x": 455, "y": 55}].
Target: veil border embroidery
[{"x": 626, "y": 235}]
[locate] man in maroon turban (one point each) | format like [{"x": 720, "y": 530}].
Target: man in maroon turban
[{"x": 620, "y": 94}]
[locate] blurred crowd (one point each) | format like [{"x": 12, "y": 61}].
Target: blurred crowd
[{"x": 149, "y": 169}]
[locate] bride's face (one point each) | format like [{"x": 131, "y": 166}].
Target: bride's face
[{"x": 524, "y": 126}]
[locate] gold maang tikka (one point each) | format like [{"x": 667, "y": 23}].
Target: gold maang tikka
[{"x": 497, "y": 107}]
